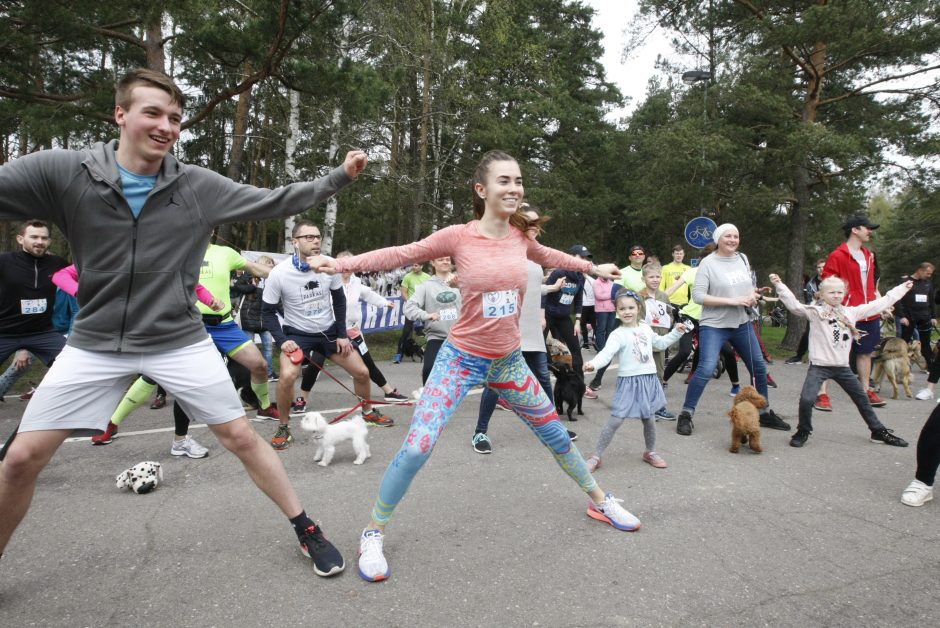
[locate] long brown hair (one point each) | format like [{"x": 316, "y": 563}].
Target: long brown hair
[{"x": 519, "y": 220}]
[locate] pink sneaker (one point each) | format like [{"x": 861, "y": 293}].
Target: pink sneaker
[
  {"x": 654, "y": 459},
  {"x": 590, "y": 393},
  {"x": 593, "y": 463}
]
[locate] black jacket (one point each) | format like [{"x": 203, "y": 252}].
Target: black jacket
[{"x": 27, "y": 294}]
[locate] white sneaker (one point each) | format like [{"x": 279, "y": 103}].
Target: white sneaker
[
  {"x": 916, "y": 494},
  {"x": 610, "y": 511},
  {"x": 372, "y": 564},
  {"x": 924, "y": 394},
  {"x": 188, "y": 447}
]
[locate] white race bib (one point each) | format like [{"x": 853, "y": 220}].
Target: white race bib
[
  {"x": 448, "y": 314},
  {"x": 920, "y": 298},
  {"x": 32, "y": 306},
  {"x": 500, "y": 304},
  {"x": 566, "y": 299}
]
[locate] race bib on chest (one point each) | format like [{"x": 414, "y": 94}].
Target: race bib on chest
[
  {"x": 32, "y": 306},
  {"x": 448, "y": 314},
  {"x": 920, "y": 298},
  {"x": 500, "y": 304},
  {"x": 566, "y": 299}
]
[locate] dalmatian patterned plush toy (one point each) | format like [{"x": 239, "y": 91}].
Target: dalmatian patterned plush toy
[{"x": 142, "y": 477}]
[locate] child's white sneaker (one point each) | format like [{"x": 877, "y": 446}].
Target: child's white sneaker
[
  {"x": 924, "y": 394},
  {"x": 610, "y": 511},
  {"x": 372, "y": 564},
  {"x": 916, "y": 494}
]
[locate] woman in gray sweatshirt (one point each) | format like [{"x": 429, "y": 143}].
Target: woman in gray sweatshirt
[
  {"x": 436, "y": 303},
  {"x": 726, "y": 290}
]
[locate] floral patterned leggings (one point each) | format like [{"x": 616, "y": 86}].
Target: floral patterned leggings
[{"x": 454, "y": 374}]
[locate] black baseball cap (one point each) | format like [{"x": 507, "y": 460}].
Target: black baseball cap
[
  {"x": 581, "y": 250},
  {"x": 858, "y": 221}
]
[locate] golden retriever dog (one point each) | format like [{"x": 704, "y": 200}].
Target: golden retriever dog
[
  {"x": 894, "y": 361},
  {"x": 745, "y": 419},
  {"x": 917, "y": 357}
]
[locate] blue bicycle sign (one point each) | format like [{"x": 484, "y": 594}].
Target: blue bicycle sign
[{"x": 698, "y": 231}]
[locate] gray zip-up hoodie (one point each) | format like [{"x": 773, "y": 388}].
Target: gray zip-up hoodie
[
  {"x": 138, "y": 276},
  {"x": 434, "y": 295}
]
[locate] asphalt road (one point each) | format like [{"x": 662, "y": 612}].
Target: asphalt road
[{"x": 792, "y": 537}]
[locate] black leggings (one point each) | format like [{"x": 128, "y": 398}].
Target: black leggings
[
  {"x": 430, "y": 354},
  {"x": 685, "y": 349},
  {"x": 928, "y": 448}
]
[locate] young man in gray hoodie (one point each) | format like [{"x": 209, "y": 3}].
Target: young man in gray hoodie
[{"x": 138, "y": 223}]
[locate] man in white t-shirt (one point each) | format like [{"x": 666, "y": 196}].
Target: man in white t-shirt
[{"x": 314, "y": 306}]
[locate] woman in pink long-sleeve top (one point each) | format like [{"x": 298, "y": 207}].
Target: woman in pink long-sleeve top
[{"x": 483, "y": 346}]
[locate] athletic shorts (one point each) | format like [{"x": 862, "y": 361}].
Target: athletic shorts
[
  {"x": 228, "y": 337},
  {"x": 871, "y": 339},
  {"x": 45, "y": 345},
  {"x": 82, "y": 388},
  {"x": 319, "y": 342}
]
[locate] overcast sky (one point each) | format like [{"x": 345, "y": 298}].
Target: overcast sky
[{"x": 631, "y": 76}]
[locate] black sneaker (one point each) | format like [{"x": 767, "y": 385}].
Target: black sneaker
[
  {"x": 395, "y": 397},
  {"x": 327, "y": 561},
  {"x": 771, "y": 420},
  {"x": 572, "y": 436},
  {"x": 796, "y": 359},
  {"x": 481, "y": 443},
  {"x": 888, "y": 438},
  {"x": 684, "y": 424},
  {"x": 799, "y": 439}
]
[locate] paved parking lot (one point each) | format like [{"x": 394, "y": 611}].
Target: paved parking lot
[{"x": 808, "y": 537}]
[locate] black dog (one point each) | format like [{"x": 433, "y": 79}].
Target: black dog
[
  {"x": 569, "y": 387},
  {"x": 411, "y": 349}
]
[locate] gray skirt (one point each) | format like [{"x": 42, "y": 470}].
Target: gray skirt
[{"x": 638, "y": 397}]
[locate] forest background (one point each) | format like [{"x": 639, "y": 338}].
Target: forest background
[{"x": 804, "y": 112}]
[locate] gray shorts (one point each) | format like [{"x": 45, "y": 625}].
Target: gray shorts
[{"x": 82, "y": 388}]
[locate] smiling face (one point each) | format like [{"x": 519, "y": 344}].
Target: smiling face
[
  {"x": 442, "y": 266},
  {"x": 628, "y": 311},
  {"x": 728, "y": 242},
  {"x": 637, "y": 257},
  {"x": 150, "y": 126},
  {"x": 501, "y": 189},
  {"x": 34, "y": 240},
  {"x": 653, "y": 280}
]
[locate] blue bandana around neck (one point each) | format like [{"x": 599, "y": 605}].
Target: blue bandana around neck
[{"x": 303, "y": 267}]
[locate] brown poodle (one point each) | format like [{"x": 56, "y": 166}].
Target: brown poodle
[{"x": 745, "y": 419}]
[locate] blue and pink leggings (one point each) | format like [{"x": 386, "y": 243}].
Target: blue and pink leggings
[{"x": 454, "y": 374}]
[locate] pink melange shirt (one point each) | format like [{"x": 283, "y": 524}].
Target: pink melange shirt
[{"x": 492, "y": 274}]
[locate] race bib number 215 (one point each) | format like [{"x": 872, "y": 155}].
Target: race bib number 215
[{"x": 500, "y": 304}]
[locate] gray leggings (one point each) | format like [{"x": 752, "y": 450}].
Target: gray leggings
[{"x": 614, "y": 423}]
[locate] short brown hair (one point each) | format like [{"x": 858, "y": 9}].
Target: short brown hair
[
  {"x": 123, "y": 94},
  {"x": 34, "y": 222},
  {"x": 302, "y": 223}
]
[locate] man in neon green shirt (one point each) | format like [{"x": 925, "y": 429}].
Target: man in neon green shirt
[
  {"x": 412, "y": 279},
  {"x": 631, "y": 276},
  {"x": 672, "y": 272}
]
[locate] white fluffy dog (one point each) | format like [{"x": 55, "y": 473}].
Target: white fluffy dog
[{"x": 328, "y": 436}]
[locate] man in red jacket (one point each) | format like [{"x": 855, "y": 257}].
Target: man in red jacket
[{"x": 856, "y": 265}]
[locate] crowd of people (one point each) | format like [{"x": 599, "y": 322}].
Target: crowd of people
[{"x": 495, "y": 293}]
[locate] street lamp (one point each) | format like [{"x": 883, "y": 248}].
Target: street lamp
[
  {"x": 691, "y": 77},
  {"x": 694, "y": 76}
]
